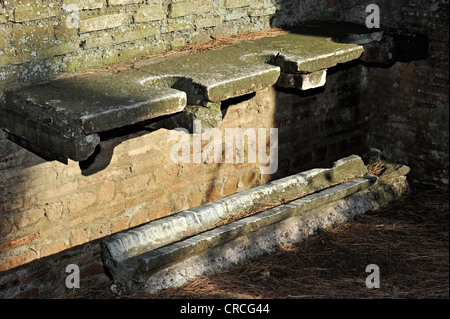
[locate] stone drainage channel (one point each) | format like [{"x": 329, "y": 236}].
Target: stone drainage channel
[{"x": 171, "y": 251}]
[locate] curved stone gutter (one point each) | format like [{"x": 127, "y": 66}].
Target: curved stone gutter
[{"x": 170, "y": 251}]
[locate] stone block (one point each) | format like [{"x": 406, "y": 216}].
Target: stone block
[
  {"x": 57, "y": 50},
  {"x": 93, "y": 42},
  {"x": 102, "y": 22},
  {"x": 122, "y": 2},
  {"x": 135, "y": 34},
  {"x": 27, "y": 10},
  {"x": 178, "y": 24},
  {"x": 237, "y": 3},
  {"x": 207, "y": 22},
  {"x": 53, "y": 248},
  {"x": 78, "y": 237},
  {"x": 3, "y": 18},
  {"x": 64, "y": 32},
  {"x": 258, "y": 12},
  {"x": 28, "y": 217},
  {"x": 32, "y": 35},
  {"x": 181, "y": 9},
  {"x": 16, "y": 242},
  {"x": 149, "y": 12},
  {"x": 303, "y": 81},
  {"x": 18, "y": 260}
]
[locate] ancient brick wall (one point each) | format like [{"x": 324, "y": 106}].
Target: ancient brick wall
[
  {"x": 410, "y": 118},
  {"x": 52, "y": 214},
  {"x": 409, "y": 100}
]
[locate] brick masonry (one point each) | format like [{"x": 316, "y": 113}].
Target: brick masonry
[
  {"x": 53, "y": 214},
  {"x": 410, "y": 107}
]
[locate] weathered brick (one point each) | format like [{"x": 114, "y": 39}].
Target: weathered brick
[
  {"x": 106, "y": 192},
  {"x": 53, "y": 211},
  {"x": 53, "y": 248},
  {"x": 237, "y": 3},
  {"x": 135, "y": 34},
  {"x": 195, "y": 198},
  {"x": 181, "y": 9},
  {"x": 103, "y": 22},
  {"x": 122, "y": 2},
  {"x": 212, "y": 192},
  {"x": 18, "y": 242},
  {"x": 251, "y": 178},
  {"x": 177, "y": 201},
  {"x": 78, "y": 237},
  {"x": 29, "y": 217},
  {"x": 5, "y": 226},
  {"x": 98, "y": 231},
  {"x": 149, "y": 12},
  {"x": 18, "y": 260},
  {"x": 81, "y": 201},
  {"x": 57, "y": 50},
  {"x": 230, "y": 185},
  {"x": 133, "y": 185},
  {"x": 33, "y": 34},
  {"x": 207, "y": 22},
  {"x": 51, "y": 194},
  {"x": 175, "y": 186},
  {"x": 74, "y": 5},
  {"x": 159, "y": 211},
  {"x": 98, "y": 41},
  {"x": 118, "y": 225},
  {"x": 139, "y": 218}
]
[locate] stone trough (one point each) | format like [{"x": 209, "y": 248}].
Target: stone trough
[{"x": 171, "y": 251}]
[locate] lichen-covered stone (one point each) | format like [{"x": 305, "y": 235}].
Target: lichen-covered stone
[
  {"x": 102, "y": 22},
  {"x": 149, "y": 12}
]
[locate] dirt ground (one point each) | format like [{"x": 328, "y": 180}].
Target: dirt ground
[{"x": 408, "y": 241}]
